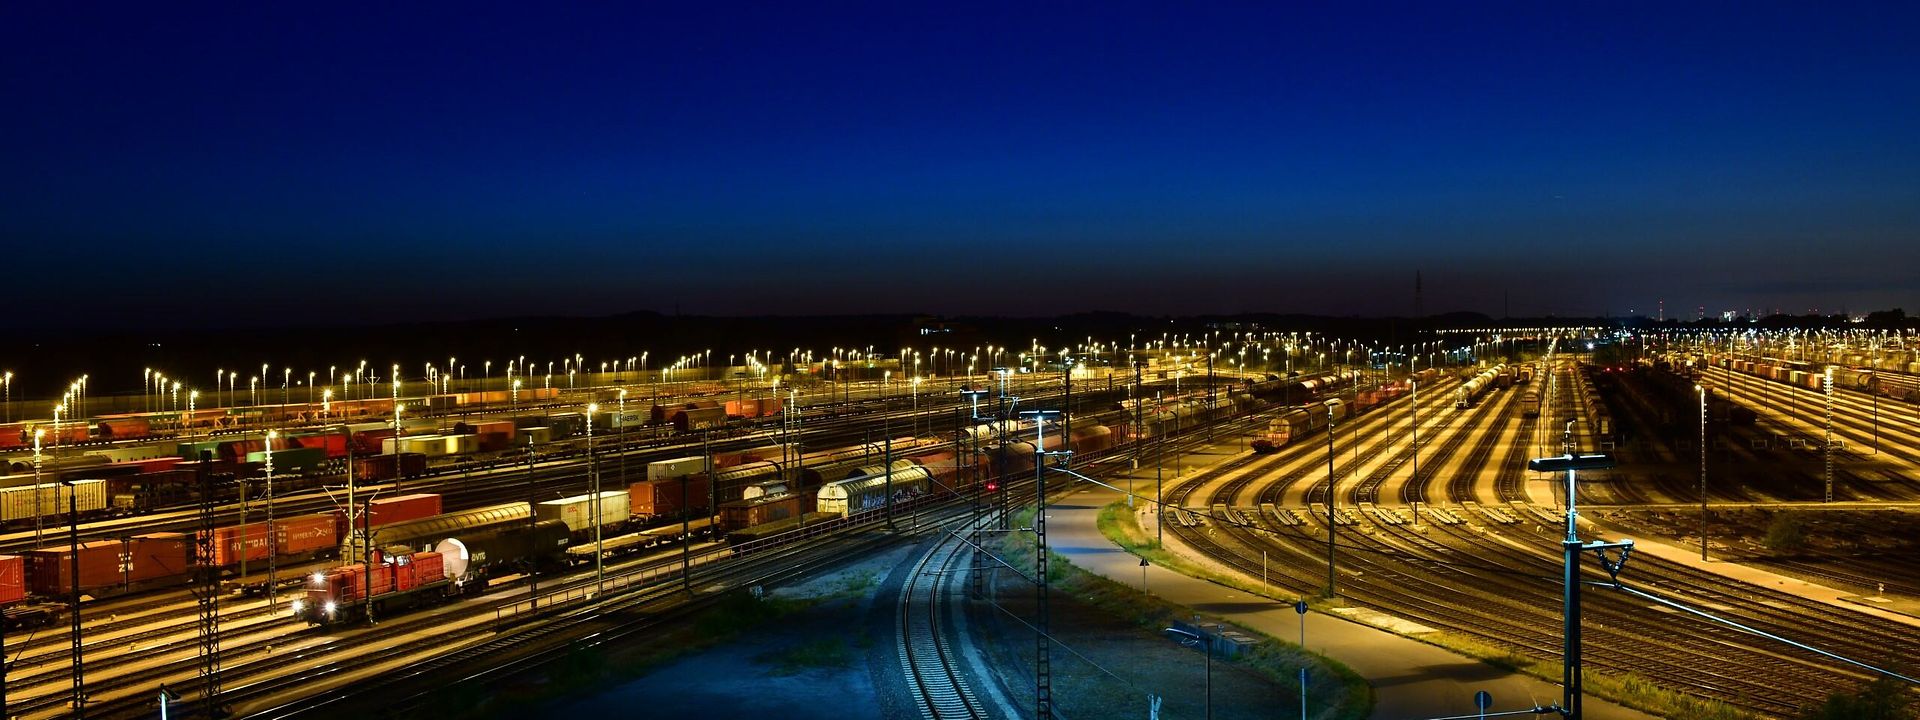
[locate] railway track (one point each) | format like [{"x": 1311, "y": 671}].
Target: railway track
[{"x": 926, "y": 658}]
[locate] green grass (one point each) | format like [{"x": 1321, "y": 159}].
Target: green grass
[
  {"x": 1276, "y": 659},
  {"x": 1117, "y": 523}
]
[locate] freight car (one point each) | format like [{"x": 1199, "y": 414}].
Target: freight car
[
  {"x": 474, "y": 557},
  {"x": 16, "y": 610},
  {"x": 577, "y": 513},
  {"x": 421, "y": 535},
  {"x": 51, "y": 502},
  {"x": 1471, "y": 390},
  {"x": 111, "y": 567},
  {"x": 861, "y": 494},
  {"x": 745, "y": 513}
]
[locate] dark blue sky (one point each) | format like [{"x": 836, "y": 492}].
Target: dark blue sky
[{"x": 255, "y": 162}]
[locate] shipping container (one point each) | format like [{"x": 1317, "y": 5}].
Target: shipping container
[
  {"x": 664, "y": 469},
  {"x": 538, "y": 435},
  {"x": 233, "y": 543},
  {"x": 577, "y": 511},
  {"x": 110, "y": 567},
  {"x": 13, "y": 579},
  {"x": 427, "y": 445},
  {"x": 668, "y": 497},
  {"x": 306, "y": 535},
  {"x": 292, "y": 461},
  {"x": 402, "y": 508},
  {"x": 697, "y": 419}
]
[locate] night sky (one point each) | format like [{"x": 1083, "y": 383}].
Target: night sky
[{"x": 255, "y": 163}]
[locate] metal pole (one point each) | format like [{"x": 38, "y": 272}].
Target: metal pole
[
  {"x": 533, "y": 522},
  {"x": 1570, "y": 578},
  {"x": 593, "y": 471},
  {"x": 1827, "y": 451},
  {"x": 1159, "y": 502},
  {"x": 73, "y": 537},
  {"x": 273, "y": 538},
  {"x": 1703, "y": 472},
  {"x": 1332, "y": 523},
  {"x": 1417, "y": 488},
  {"x": 686, "y": 532},
  {"x": 1209, "y": 676}
]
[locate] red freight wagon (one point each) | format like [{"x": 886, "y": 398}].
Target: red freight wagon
[
  {"x": 150, "y": 465},
  {"x": 381, "y": 468},
  {"x": 662, "y": 498},
  {"x": 124, "y": 428},
  {"x": 334, "y": 443},
  {"x": 942, "y": 467},
  {"x": 13, "y": 579},
  {"x": 762, "y": 510}
]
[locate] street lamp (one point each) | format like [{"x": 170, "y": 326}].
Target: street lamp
[
  {"x": 273, "y": 542},
  {"x": 1703, "y": 469},
  {"x": 1414, "y": 407},
  {"x": 594, "y": 475}
]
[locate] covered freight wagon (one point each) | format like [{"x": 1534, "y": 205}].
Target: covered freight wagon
[
  {"x": 861, "y": 494},
  {"x": 50, "y": 500},
  {"x": 422, "y": 534}
]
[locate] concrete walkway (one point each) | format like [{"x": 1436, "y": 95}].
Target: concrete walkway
[{"x": 1411, "y": 679}]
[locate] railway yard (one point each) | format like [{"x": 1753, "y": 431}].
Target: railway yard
[{"x": 363, "y": 548}]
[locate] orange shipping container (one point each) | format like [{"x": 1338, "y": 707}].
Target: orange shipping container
[
  {"x": 233, "y": 542},
  {"x": 306, "y": 533},
  {"x": 13, "y": 579}
]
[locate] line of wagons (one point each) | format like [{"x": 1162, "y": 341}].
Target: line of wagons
[
  {"x": 422, "y": 552},
  {"x": 148, "y": 477}
]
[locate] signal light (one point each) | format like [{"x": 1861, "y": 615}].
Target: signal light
[{"x": 993, "y": 486}]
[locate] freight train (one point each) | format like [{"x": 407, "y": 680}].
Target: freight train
[{"x": 153, "y": 476}]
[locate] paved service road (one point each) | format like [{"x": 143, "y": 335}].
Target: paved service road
[{"x": 1412, "y": 679}]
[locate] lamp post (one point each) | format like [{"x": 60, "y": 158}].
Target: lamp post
[
  {"x": 593, "y": 474},
  {"x": 38, "y": 433},
  {"x": 1332, "y": 522},
  {"x": 1417, "y": 488},
  {"x": 273, "y": 540},
  {"x": 1703, "y": 469},
  {"x": 73, "y": 537}
]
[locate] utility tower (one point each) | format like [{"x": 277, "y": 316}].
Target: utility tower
[{"x": 207, "y": 591}]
